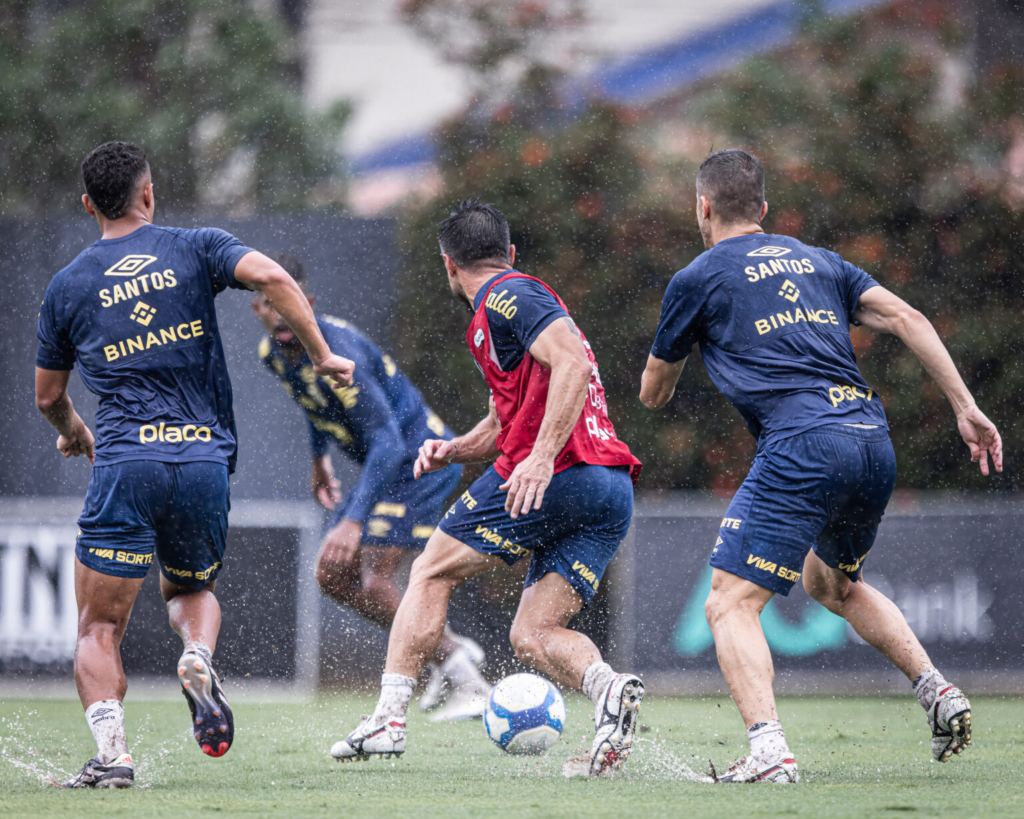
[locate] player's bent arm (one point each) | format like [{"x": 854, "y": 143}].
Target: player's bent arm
[
  {"x": 258, "y": 272},
  {"x": 477, "y": 445},
  {"x": 881, "y": 310},
  {"x": 53, "y": 401},
  {"x": 658, "y": 383},
  {"x": 884, "y": 311},
  {"x": 560, "y": 349}
]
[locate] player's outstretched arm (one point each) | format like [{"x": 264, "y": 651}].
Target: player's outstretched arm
[
  {"x": 560, "y": 349},
  {"x": 53, "y": 401},
  {"x": 258, "y": 272},
  {"x": 884, "y": 311},
  {"x": 476, "y": 445},
  {"x": 658, "y": 383}
]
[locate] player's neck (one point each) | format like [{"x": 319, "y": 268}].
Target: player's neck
[
  {"x": 720, "y": 233},
  {"x": 472, "y": 282},
  {"x": 118, "y": 228}
]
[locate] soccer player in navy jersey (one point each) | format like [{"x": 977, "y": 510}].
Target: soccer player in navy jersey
[
  {"x": 772, "y": 317},
  {"x": 379, "y": 421},
  {"x": 135, "y": 311},
  {"x": 561, "y": 488}
]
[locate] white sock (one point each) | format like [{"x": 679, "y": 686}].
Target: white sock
[
  {"x": 596, "y": 679},
  {"x": 106, "y": 721},
  {"x": 202, "y": 649},
  {"x": 768, "y": 743},
  {"x": 463, "y": 673},
  {"x": 927, "y": 687},
  {"x": 395, "y": 693}
]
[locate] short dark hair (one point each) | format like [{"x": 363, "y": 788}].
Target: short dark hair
[
  {"x": 473, "y": 232},
  {"x": 293, "y": 266},
  {"x": 111, "y": 174},
  {"x": 733, "y": 181}
]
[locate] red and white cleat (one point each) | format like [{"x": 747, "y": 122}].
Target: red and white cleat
[
  {"x": 373, "y": 737},
  {"x": 615, "y": 724}
]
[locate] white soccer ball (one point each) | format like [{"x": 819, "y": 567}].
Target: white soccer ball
[{"x": 524, "y": 715}]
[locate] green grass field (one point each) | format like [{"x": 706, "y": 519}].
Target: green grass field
[{"x": 858, "y": 757}]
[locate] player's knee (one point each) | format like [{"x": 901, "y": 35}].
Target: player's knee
[
  {"x": 832, "y": 593},
  {"x": 334, "y": 577},
  {"x": 102, "y": 631},
  {"x": 525, "y": 639}
]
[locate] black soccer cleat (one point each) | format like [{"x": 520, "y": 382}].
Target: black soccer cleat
[
  {"x": 94, "y": 774},
  {"x": 213, "y": 724}
]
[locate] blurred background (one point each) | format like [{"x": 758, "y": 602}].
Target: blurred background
[{"x": 342, "y": 131}]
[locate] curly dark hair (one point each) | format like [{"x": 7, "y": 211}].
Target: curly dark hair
[
  {"x": 473, "y": 232},
  {"x": 111, "y": 174}
]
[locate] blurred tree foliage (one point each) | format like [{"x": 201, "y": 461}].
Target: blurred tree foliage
[
  {"x": 870, "y": 148},
  {"x": 210, "y": 88}
]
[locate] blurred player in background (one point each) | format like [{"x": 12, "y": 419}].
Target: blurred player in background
[
  {"x": 561, "y": 488},
  {"x": 135, "y": 310},
  {"x": 772, "y": 316},
  {"x": 379, "y": 422}
]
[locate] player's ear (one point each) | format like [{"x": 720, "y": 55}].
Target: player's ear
[
  {"x": 511, "y": 255},
  {"x": 764, "y": 210},
  {"x": 449, "y": 265},
  {"x": 704, "y": 207},
  {"x": 87, "y": 204}
]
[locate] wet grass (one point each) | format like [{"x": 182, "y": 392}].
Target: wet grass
[{"x": 858, "y": 757}]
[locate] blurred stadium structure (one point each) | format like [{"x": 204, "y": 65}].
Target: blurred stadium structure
[{"x": 905, "y": 119}]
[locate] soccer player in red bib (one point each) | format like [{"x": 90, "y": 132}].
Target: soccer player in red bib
[{"x": 561, "y": 490}]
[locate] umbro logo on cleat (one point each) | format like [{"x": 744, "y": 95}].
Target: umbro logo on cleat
[{"x": 771, "y": 251}]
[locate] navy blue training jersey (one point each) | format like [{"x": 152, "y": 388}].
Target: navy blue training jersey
[
  {"x": 520, "y": 309},
  {"x": 772, "y": 317},
  {"x": 137, "y": 315},
  {"x": 379, "y": 421}
]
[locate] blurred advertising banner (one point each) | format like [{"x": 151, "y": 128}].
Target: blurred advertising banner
[
  {"x": 38, "y": 615},
  {"x": 270, "y": 608},
  {"x": 951, "y": 571}
]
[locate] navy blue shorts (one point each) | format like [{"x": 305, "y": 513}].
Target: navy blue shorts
[
  {"x": 137, "y": 509},
  {"x": 824, "y": 489},
  {"x": 409, "y": 511},
  {"x": 584, "y": 517}
]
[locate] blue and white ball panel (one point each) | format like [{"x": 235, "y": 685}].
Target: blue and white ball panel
[{"x": 525, "y": 715}]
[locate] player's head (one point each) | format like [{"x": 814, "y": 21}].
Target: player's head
[
  {"x": 730, "y": 192},
  {"x": 474, "y": 240},
  {"x": 265, "y": 311},
  {"x": 117, "y": 182}
]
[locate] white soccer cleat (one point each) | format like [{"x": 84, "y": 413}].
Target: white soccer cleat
[
  {"x": 747, "y": 770},
  {"x": 473, "y": 648},
  {"x": 950, "y": 721},
  {"x": 436, "y": 689},
  {"x": 373, "y": 737},
  {"x": 464, "y": 703},
  {"x": 615, "y": 724}
]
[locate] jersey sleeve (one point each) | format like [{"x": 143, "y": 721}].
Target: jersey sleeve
[
  {"x": 222, "y": 252},
  {"x": 519, "y": 310},
  {"x": 371, "y": 418},
  {"x": 853, "y": 282},
  {"x": 318, "y": 440},
  {"x": 55, "y": 350},
  {"x": 682, "y": 315}
]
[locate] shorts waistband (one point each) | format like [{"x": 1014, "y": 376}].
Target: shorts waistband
[{"x": 880, "y": 433}]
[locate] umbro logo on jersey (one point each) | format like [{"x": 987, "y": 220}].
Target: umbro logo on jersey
[
  {"x": 130, "y": 265},
  {"x": 770, "y": 250},
  {"x": 478, "y": 339}
]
